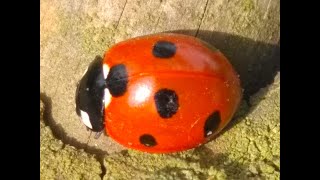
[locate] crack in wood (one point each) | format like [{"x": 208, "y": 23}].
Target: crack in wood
[
  {"x": 121, "y": 14},
  {"x": 204, "y": 12}
]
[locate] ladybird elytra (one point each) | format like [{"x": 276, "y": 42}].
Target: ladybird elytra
[{"x": 164, "y": 92}]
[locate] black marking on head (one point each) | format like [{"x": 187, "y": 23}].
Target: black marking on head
[
  {"x": 89, "y": 94},
  {"x": 212, "y": 123},
  {"x": 117, "y": 80},
  {"x": 166, "y": 102},
  {"x": 164, "y": 49},
  {"x": 148, "y": 140}
]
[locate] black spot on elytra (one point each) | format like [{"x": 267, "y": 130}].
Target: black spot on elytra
[
  {"x": 166, "y": 102},
  {"x": 164, "y": 49},
  {"x": 148, "y": 140},
  {"x": 212, "y": 123},
  {"x": 117, "y": 80}
]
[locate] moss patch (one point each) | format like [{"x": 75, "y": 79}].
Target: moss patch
[{"x": 60, "y": 161}]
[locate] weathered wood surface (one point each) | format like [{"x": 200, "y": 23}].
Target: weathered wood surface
[{"x": 73, "y": 32}]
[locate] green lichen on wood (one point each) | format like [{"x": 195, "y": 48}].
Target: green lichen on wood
[
  {"x": 60, "y": 161},
  {"x": 247, "y": 5},
  {"x": 186, "y": 165},
  {"x": 96, "y": 40},
  {"x": 82, "y": 29}
]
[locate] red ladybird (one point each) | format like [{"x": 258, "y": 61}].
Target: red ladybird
[{"x": 159, "y": 93}]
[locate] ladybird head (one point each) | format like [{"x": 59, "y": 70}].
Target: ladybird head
[{"x": 89, "y": 96}]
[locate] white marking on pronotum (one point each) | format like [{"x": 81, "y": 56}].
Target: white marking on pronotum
[
  {"x": 85, "y": 119},
  {"x": 85, "y": 71},
  {"x": 107, "y": 97},
  {"x": 106, "y": 70}
]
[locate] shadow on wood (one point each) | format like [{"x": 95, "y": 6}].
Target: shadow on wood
[
  {"x": 59, "y": 132},
  {"x": 256, "y": 62}
]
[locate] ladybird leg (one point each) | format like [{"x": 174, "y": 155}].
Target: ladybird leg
[
  {"x": 88, "y": 129},
  {"x": 98, "y": 134}
]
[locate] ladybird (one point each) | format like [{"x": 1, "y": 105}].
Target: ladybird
[{"x": 159, "y": 93}]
